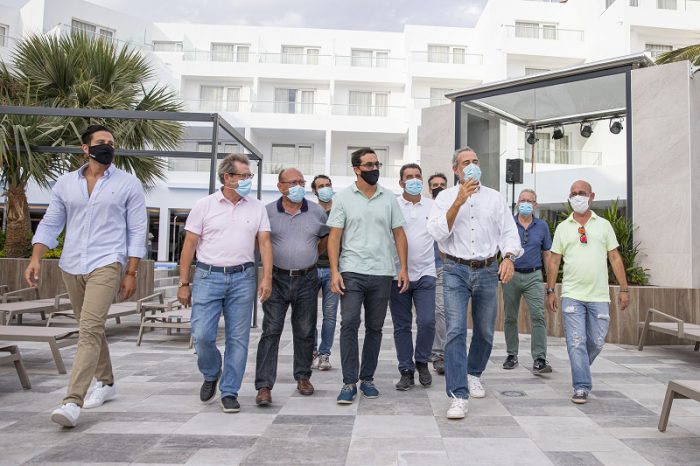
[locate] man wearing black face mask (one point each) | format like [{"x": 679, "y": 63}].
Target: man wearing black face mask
[
  {"x": 438, "y": 183},
  {"x": 367, "y": 217},
  {"x": 103, "y": 210}
]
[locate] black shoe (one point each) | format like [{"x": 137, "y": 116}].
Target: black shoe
[
  {"x": 208, "y": 390},
  {"x": 424, "y": 376},
  {"x": 510, "y": 362},
  {"x": 405, "y": 382},
  {"x": 541, "y": 367},
  {"x": 230, "y": 404},
  {"x": 580, "y": 397},
  {"x": 439, "y": 365}
]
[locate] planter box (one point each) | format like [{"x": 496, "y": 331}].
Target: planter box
[{"x": 51, "y": 281}]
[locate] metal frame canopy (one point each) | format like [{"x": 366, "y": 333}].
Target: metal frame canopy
[
  {"x": 588, "y": 92},
  {"x": 217, "y": 121}
]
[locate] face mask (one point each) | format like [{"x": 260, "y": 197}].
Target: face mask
[
  {"x": 437, "y": 191},
  {"x": 243, "y": 188},
  {"x": 370, "y": 177},
  {"x": 579, "y": 204},
  {"x": 413, "y": 186},
  {"x": 295, "y": 194},
  {"x": 102, "y": 153},
  {"x": 525, "y": 209},
  {"x": 325, "y": 194},
  {"x": 472, "y": 171}
]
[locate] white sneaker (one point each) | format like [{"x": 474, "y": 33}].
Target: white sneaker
[
  {"x": 476, "y": 390},
  {"x": 325, "y": 363},
  {"x": 99, "y": 395},
  {"x": 66, "y": 415},
  {"x": 316, "y": 361},
  {"x": 458, "y": 408}
]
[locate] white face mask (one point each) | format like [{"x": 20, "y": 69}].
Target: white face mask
[{"x": 579, "y": 204}]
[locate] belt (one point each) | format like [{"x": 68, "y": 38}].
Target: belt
[
  {"x": 473, "y": 263},
  {"x": 229, "y": 269},
  {"x": 293, "y": 273},
  {"x": 528, "y": 269}
]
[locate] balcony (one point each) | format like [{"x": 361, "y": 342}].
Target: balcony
[
  {"x": 382, "y": 111},
  {"x": 290, "y": 108},
  {"x": 545, "y": 33},
  {"x": 306, "y": 59},
  {"x": 529, "y": 39},
  {"x": 462, "y": 66}
]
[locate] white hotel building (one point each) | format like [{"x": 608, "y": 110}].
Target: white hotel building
[{"x": 309, "y": 97}]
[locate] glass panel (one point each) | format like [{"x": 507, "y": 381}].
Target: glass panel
[
  {"x": 562, "y": 149},
  {"x": 360, "y": 103},
  {"x": 222, "y": 52},
  {"x": 459, "y": 56},
  {"x": 381, "y": 104},
  {"x": 167, "y": 46},
  {"x": 79, "y": 26},
  {"x": 658, "y": 49},
  {"x": 312, "y": 56},
  {"x": 211, "y": 97},
  {"x": 233, "y": 97},
  {"x": 608, "y": 3},
  {"x": 307, "y": 102},
  {"x": 306, "y": 159},
  {"x": 549, "y": 32},
  {"x": 283, "y": 156},
  {"x": 107, "y": 34},
  {"x": 527, "y": 30},
  {"x": 282, "y": 100},
  {"x": 634, "y": 2},
  {"x": 381, "y": 59},
  {"x": 361, "y": 57},
  {"x": 242, "y": 53},
  {"x": 438, "y": 53},
  {"x": 667, "y": 4},
  {"x": 292, "y": 55},
  {"x": 3, "y": 36}
]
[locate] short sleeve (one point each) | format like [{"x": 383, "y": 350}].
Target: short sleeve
[
  {"x": 547, "y": 241},
  {"x": 337, "y": 217},
  {"x": 264, "y": 223},
  {"x": 397, "y": 219},
  {"x": 610, "y": 238},
  {"x": 558, "y": 243},
  {"x": 195, "y": 220},
  {"x": 323, "y": 228}
]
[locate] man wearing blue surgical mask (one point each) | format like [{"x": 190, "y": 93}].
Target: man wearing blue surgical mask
[
  {"x": 298, "y": 233},
  {"x": 421, "y": 290},
  {"x": 527, "y": 282}
]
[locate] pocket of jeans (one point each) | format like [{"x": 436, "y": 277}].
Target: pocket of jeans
[
  {"x": 201, "y": 274},
  {"x": 250, "y": 272}
]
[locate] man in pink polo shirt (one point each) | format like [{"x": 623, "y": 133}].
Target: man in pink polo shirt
[{"x": 222, "y": 228}]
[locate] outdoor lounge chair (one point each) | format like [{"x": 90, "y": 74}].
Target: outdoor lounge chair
[
  {"x": 689, "y": 389},
  {"x": 677, "y": 328},
  {"x": 16, "y": 358},
  {"x": 55, "y": 337},
  {"x": 9, "y": 310},
  {"x": 116, "y": 311},
  {"x": 173, "y": 319}
]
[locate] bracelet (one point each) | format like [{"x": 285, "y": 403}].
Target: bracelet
[{"x": 624, "y": 291}]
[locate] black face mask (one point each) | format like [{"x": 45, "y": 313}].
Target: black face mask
[
  {"x": 437, "y": 191},
  {"x": 370, "y": 177},
  {"x": 102, "y": 153}
]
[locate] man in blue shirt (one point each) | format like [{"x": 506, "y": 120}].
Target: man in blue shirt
[
  {"x": 527, "y": 281},
  {"x": 103, "y": 210}
]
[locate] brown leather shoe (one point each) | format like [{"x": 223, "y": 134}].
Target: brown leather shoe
[
  {"x": 305, "y": 388},
  {"x": 264, "y": 397}
]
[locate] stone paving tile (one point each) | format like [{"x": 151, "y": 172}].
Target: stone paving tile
[{"x": 575, "y": 458}]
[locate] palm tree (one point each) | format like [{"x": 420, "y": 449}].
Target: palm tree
[
  {"x": 76, "y": 71},
  {"x": 690, "y": 53}
]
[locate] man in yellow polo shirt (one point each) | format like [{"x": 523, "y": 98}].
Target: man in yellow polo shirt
[{"x": 584, "y": 240}]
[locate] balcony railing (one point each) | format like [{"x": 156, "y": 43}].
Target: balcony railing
[
  {"x": 562, "y": 157},
  {"x": 286, "y": 107},
  {"x": 543, "y": 33},
  {"x": 369, "y": 62},
  {"x": 295, "y": 58},
  {"x": 219, "y": 105},
  {"x": 366, "y": 110},
  {"x": 423, "y": 56}
]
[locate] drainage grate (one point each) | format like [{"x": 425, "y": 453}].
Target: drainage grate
[{"x": 513, "y": 393}]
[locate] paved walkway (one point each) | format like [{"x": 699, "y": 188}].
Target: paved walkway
[{"x": 524, "y": 419}]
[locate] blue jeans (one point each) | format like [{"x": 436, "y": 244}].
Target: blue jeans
[
  {"x": 422, "y": 294},
  {"x": 462, "y": 283},
  {"x": 585, "y": 329},
  {"x": 329, "y": 305},
  {"x": 300, "y": 293},
  {"x": 235, "y": 293}
]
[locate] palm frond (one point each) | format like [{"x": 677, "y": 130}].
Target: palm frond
[{"x": 690, "y": 53}]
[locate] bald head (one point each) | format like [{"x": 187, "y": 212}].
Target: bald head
[
  {"x": 289, "y": 174},
  {"x": 581, "y": 188}
]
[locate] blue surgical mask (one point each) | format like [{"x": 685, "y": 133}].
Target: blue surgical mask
[
  {"x": 325, "y": 194},
  {"x": 525, "y": 209},
  {"x": 243, "y": 188},
  {"x": 296, "y": 194},
  {"x": 472, "y": 171},
  {"x": 413, "y": 186}
]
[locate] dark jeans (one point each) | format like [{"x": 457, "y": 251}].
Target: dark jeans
[
  {"x": 301, "y": 294},
  {"x": 422, "y": 294},
  {"x": 373, "y": 292}
]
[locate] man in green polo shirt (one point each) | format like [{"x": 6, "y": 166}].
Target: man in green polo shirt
[
  {"x": 585, "y": 241},
  {"x": 369, "y": 220}
]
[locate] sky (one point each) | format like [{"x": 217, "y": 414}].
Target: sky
[{"x": 376, "y": 15}]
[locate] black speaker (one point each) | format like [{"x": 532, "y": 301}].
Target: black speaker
[{"x": 514, "y": 171}]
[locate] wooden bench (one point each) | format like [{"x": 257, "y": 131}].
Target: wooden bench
[
  {"x": 55, "y": 337},
  {"x": 16, "y": 358},
  {"x": 676, "y": 327},
  {"x": 687, "y": 389}
]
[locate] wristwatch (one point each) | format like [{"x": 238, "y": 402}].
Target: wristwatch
[
  {"x": 510, "y": 257},
  {"x": 549, "y": 290},
  {"x": 181, "y": 284}
]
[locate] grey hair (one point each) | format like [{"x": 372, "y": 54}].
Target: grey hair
[
  {"x": 531, "y": 191},
  {"x": 459, "y": 151},
  {"x": 228, "y": 164}
]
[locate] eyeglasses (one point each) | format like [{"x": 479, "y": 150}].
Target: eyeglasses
[
  {"x": 525, "y": 237},
  {"x": 582, "y": 232},
  {"x": 438, "y": 185},
  {"x": 301, "y": 183},
  {"x": 371, "y": 165},
  {"x": 244, "y": 176}
]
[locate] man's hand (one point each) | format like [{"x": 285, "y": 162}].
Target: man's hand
[
  {"x": 337, "y": 285},
  {"x": 505, "y": 270},
  {"x": 265, "y": 289},
  {"x": 552, "y": 303},
  {"x": 184, "y": 295},
  {"x": 624, "y": 300},
  {"x": 127, "y": 288},
  {"x": 32, "y": 273},
  {"x": 403, "y": 281},
  {"x": 466, "y": 189}
]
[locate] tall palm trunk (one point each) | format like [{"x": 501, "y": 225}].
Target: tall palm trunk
[{"x": 19, "y": 226}]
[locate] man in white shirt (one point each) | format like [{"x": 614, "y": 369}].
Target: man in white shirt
[
  {"x": 471, "y": 224},
  {"x": 421, "y": 290}
]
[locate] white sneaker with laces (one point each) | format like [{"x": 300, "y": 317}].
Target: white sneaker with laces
[
  {"x": 476, "y": 390},
  {"x": 99, "y": 395},
  {"x": 66, "y": 415},
  {"x": 458, "y": 408},
  {"x": 316, "y": 361},
  {"x": 325, "y": 363}
]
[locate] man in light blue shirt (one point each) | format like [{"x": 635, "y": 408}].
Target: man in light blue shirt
[{"x": 103, "y": 211}]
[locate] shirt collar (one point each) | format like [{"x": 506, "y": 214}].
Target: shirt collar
[
  {"x": 571, "y": 217},
  {"x": 219, "y": 194},
  {"x": 110, "y": 170},
  {"x": 379, "y": 191},
  {"x": 405, "y": 201},
  {"x": 534, "y": 220},
  {"x": 304, "y": 205}
]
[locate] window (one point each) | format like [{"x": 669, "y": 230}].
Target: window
[
  {"x": 91, "y": 30},
  {"x": 561, "y": 153},
  {"x": 294, "y": 100},
  {"x": 634, "y": 2},
  {"x": 3, "y": 35},
  {"x": 167, "y": 46},
  {"x": 527, "y": 30},
  {"x": 367, "y": 103},
  {"x": 200, "y": 165},
  {"x": 242, "y": 53},
  {"x": 299, "y": 156},
  {"x": 667, "y": 4},
  {"x": 381, "y": 59},
  {"x": 219, "y": 98},
  {"x": 312, "y": 56},
  {"x": 340, "y": 163},
  {"x": 657, "y": 49},
  {"x": 438, "y": 53},
  {"x": 531, "y": 71},
  {"x": 608, "y": 3},
  {"x": 229, "y": 52},
  {"x": 298, "y": 55},
  {"x": 369, "y": 58},
  {"x": 459, "y": 56},
  {"x": 437, "y": 96},
  {"x": 233, "y": 98},
  {"x": 549, "y": 32}
]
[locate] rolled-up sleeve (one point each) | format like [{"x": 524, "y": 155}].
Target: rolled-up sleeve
[
  {"x": 54, "y": 220},
  {"x": 437, "y": 221},
  {"x": 136, "y": 222},
  {"x": 509, "y": 240}
]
